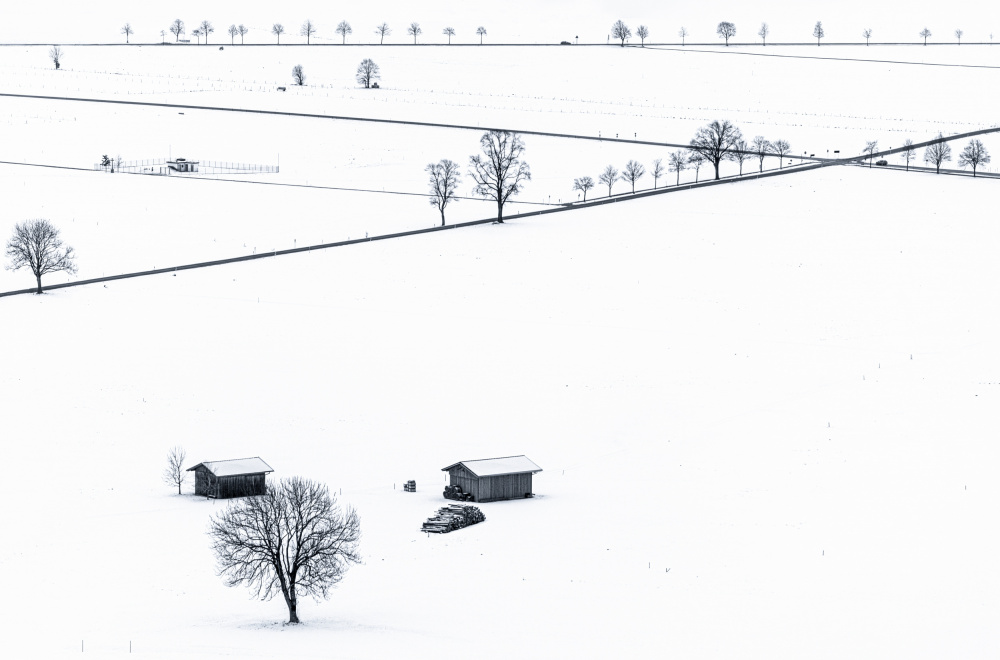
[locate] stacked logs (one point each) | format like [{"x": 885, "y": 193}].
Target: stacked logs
[
  {"x": 455, "y": 493},
  {"x": 452, "y": 517},
  {"x": 410, "y": 486}
]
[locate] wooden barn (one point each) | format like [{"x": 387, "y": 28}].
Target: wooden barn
[
  {"x": 238, "y": 477},
  {"x": 492, "y": 479}
]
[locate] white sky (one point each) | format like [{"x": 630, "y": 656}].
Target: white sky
[{"x": 512, "y": 21}]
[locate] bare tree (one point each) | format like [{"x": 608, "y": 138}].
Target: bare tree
[
  {"x": 633, "y": 172},
  {"x": 298, "y": 75},
  {"x": 277, "y": 30},
  {"x": 907, "y": 153},
  {"x": 870, "y": 149},
  {"x": 740, "y": 153},
  {"x": 367, "y": 73},
  {"x": 678, "y": 163},
  {"x": 481, "y": 31},
  {"x": 682, "y": 33},
  {"x": 726, "y": 30},
  {"x": 715, "y": 141},
  {"x": 127, "y": 30},
  {"x": 925, "y": 33},
  {"x": 163, "y": 36},
  {"x": 642, "y": 32},
  {"x": 760, "y": 148},
  {"x": 657, "y": 171},
  {"x": 344, "y": 29},
  {"x": 867, "y": 34},
  {"x": 444, "y": 179},
  {"x": 294, "y": 540},
  {"x": 818, "y": 31},
  {"x": 937, "y": 152},
  {"x": 583, "y": 184},
  {"x": 174, "y": 474},
  {"x": 197, "y": 34},
  {"x": 499, "y": 172},
  {"x": 177, "y": 29},
  {"x": 608, "y": 177},
  {"x": 696, "y": 160},
  {"x": 974, "y": 155},
  {"x": 36, "y": 244},
  {"x": 782, "y": 147},
  {"x": 414, "y": 30},
  {"x": 206, "y": 29},
  {"x": 958, "y": 35},
  {"x": 308, "y": 30},
  {"x": 242, "y": 29},
  {"x": 56, "y": 55},
  {"x": 382, "y": 30},
  {"x": 233, "y": 31},
  {"x": 763, "y": 32},
  {"x": 621, "y": 31}
]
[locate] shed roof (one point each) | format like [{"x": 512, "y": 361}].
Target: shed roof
[
  {"x": 235, "y": 466},
  {"x": 492, "y": 467}
]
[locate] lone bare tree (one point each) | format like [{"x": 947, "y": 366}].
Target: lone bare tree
[
  {"x": 818, "y": 31},
  {"x": 444, "y": 180},
  {"x": 677, "y": 162},
  {"x": 937, "y": 152},
  {"x": 907, "y": 153},
  {"x": 308, "y": 30},
  {"x": 974, "y": 155},
  {"x": 726, "y": 30},
  {"x": 174, "y": 474},
  {"x": 449, "y": 32},
  {"x": 782, "y": 147},
  {"x": 657, "y": 171},
  {"x": 481, "y": 31},
  {"x": 760, "y": 148},
  {"x": 867, "y": 34},
  {"x": 763, "y": 32},
  {"x": 294, "y": 540},
  {"x": 56, "y": 55},
  {"x": 715, "y": 141},
  {"x": 643, "y": 33},
  {"x": 621, "y": 31},
  {"x": 197, "y": 34},
  {"x": 177, "y": 29},
  {"x": 344, "y": 29},
  {"x": 277, "y": 30},
  {"x": 233, "y": 31},
  {"x": 298, "y": 75},
  {"x": 382, "y": 30},
  {"x": 367, "y": 73},
  {"x": 414, "y": 30},
  {"x": 958, "y": 35},
  {"x": 740, "y": 153},
  {"x": 499, "y": 172},
  {"x": 633, "y": 172},
  {"x": 870, "y": 149},
  {"x": 206, "y": 29},
  {"x": 36, "y": 244},
  {"x": 608, "y": 177},
  {"x": 925, "y": 33},
  {"x": 127, "y": 30},
  {"x": 583, "y": 184},
  {"x": 163, "y": 36},
  {"x": 242, "y": 29},
  {"x": 682, "y": 33}
]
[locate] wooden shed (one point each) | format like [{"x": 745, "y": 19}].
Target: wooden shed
[
  {"x": 238, "y": 477},
  {"x": 492, "y": 479}
]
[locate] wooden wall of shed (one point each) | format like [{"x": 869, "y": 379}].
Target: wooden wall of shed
[
  {"x": 469, "y": 482},
  {"x": 202, "y": 482},
  {"x": 208, "y": 485},
  {"x": 504, "y": 487}
]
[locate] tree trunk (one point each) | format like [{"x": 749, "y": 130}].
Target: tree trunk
[
  {"x": 293, "y": 616},
  {"x": 716, "y": 171},
  {"x": 442, "y": 217},
  {"x": 38, "y": 278},
  {"x": 499, "y": 212}
]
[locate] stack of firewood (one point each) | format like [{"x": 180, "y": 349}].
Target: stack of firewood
[
  {"x": 455, "y": 493},
  {"x": 410, "y": 486},
  {"x": 452, "y": 517}
]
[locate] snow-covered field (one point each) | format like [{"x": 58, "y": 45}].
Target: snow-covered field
[{"x": 765, "y": 411}]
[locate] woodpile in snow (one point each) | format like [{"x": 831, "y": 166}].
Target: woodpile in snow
[
  {"x": 410, "y": 486},
  {"x": 452, "y": 517}
]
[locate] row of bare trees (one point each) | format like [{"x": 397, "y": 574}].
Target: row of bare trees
[
  {"x": 308, "y": 29},
  {"x": 727, "y": 30},
  {"x": 938, "y": 152},
  {"x": 367, "y": 73}
]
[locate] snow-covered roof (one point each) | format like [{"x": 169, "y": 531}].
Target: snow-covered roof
[
  {"x": 234, "y": 466},
  {"x": 492, "y": 467}
]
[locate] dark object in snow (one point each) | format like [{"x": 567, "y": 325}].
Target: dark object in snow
[
  {"x": 455, "y": 493},
  {"x": 239, "y": 477},
  {"x": 882, "y": 163},
  {"x": 452, "y": 517},
  {"x": 374, "y": 85},
  {"x": 410, "y": 486},
  {"x": 565, "y": 43},
  {"x": 492, "y": 479},
  {"x": 281, "y": 89},
  {"x": 221, "y": 48}
]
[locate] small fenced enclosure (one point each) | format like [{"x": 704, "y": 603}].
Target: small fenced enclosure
[{"x": 167, "y": 167}]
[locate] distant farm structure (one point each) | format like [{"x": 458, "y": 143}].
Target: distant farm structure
[
  {"x": 493, "y": 479},
  {"x": 239, "y": 477},
  {"x": 164, "y": 166}
]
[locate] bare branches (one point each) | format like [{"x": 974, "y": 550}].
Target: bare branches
[
  {"x": 633, "y": 172},
  {"x": 298, "y": 75},
  {"x": 344, "y": 29},
  {"x": 974, "y": 155},
  {"x": 657, "y": 171},
  {"x": 307, "y": 30},
  {"x": 277, "y": 30},
  {"x": 56, "y": 54},
  {"x": 206, "y": 29},
  {"x": 925, "y": 33},
  {"x": 382, "y": 30},
  {"x": 643, "y": 33},
  {"x": 177, "y": 29},
  {"x": 174, "y": 474},
  {"x": 449, "y": 32},
  {"x": 36, "y": 244},
  {"x": 127, "y": 30},
  {"x": 782, "y": 147},
  {"x": 867, "y": 34},
  {"x": 481, "y": 31},
  {"x": 740, "y": 153},
  {"x": 444, "y": 179},
  {"x": 907, "y": 153},
  {"x": 233, "y": 31},
  {"x": 608, "y": 177},
  {"x": 682, "y": 33},
  {"x": 818, "y": 31},
  {"x": 583, "y": 184},
  {"x": 367, "y": 73},
  {"x": 958, "y": 35},
  {"x": 677, "y": 162},
  {"x": 937, "y": 153},
  {"x": 414, "y": 30},
  {"x": 870, "y": 149},
  {"x": 714, "y": 141},
  {"x": 293, "y": 540},
  {"x": 726, "y": 30},
  {"x": 763, "y": 32},
  {"x": 761, "y": 146},
  {"x": 621, "y": 31},
  {"x": 242, "y": 29},
  {"x": 499, "y": 173}
]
